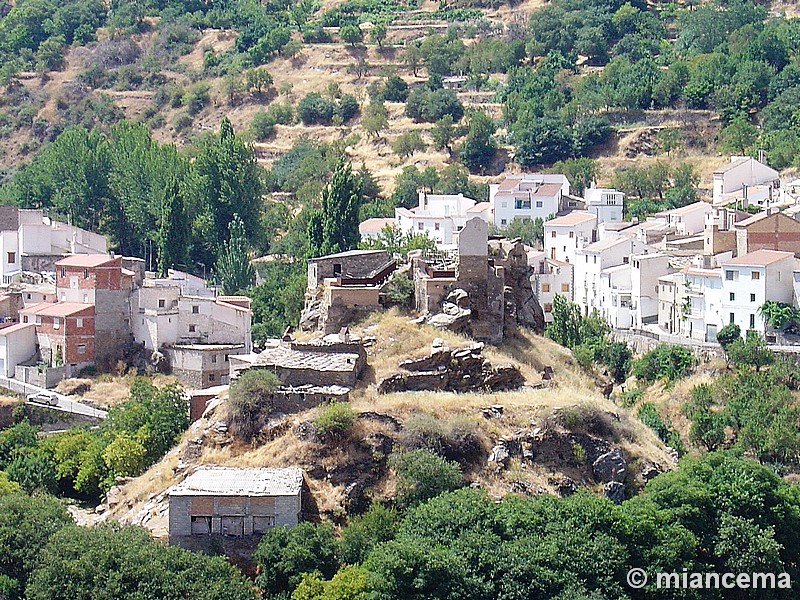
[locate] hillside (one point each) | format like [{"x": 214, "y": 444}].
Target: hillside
[
  {"x": 149, "y": 76},
  {"x": 570, "y": 420}
]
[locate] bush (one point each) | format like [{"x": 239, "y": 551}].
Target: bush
[
  {"x": 649, "y": 415},
  {"x": 249, "y": 402},
  {"x": 422, "y": 475},
  {"x": 456, "y": 439},
  {"x": 196, "y": 98},
  {"x": 314, "y": 109},
  {"x": 424, "y": 105},
  {"x": 400, "y": 291},
  {"x": 262, "y": 126},
  {"x": 666, "y": 361},
  {"x": 336, "y": 421},
  {"x": 395, "y": 89},
  {"x": 347, "y": 108},
  {"x": 728, "y": 334}
]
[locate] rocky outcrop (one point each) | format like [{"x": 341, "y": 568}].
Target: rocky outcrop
[{"x": 461, "y": 370}]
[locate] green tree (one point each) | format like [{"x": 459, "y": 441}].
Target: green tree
[
  {"x": 443, "y": 134},
  {"x": 250, "y": 402},
  {"x": 364, "y": 532},
  {"x": 110, "y": 561},
  {"x": 378, "y": 34},
  {"x": 350, "y": 34},
  {"x": 580, "y": 172},
  {"x": 233, "y": 266},
  {"x": 375, "y": 119},
  {"x": 285, "y": 555},
  {"x": 173, "y": 232},
  {"x": 125, "y": 456},
  {"x": 408, "y": 143},
  {"x": 226, "y": 181},
  {"x": 479, "y": 147},
  {"x": 334, "y": 228},
  {"x": 421, "y": 475},
  {"x": 26, "y": 524},
  {"x": 751, "y": 351},
  {"x": 728, "y": 334},
  {"x": 738, "y": 136},
  {"x": 258, "y": 80},
  {"x": 665, "y": 361}
]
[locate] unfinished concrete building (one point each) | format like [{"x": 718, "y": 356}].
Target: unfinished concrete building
[
  {"x": 344, "y": 287},
  {"x": 234, "y": 502}
]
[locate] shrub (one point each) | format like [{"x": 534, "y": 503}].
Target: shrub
[
  {"x": 400, "y": 291},
  {"x": 196, "y": 98},
  {"x": 262, "y": 126},
  {"x": 395, "y": 89},
  {"x": 249, "y": 402},
  {"x": 314, "y": 109},
  {"x": 456, "y": 439},
  {"x": 422, "y": 475},
  {"x": 347, "y": 108},
  {"x": 728, "y": 334},
  {"x": 425, "y": 105},
  {"x": 649, "y": 415},
  {"x": 666, "y": 361},
  {"x": 336, "y": 420}
]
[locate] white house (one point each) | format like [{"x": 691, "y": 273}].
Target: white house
[
  {"x": 30, "y": 241},
  {"x": 646, "y": 269},
  {"x": 527, "y": 196},
  {"x": 686, "y": 220},
  {"x": 438, "y": 215},
  {"x": 17, "y": 345},
  {"x": 563, "y": 235},
  {"x": 751, "y": 280},
  {"x": 605, "y": 203},
  {"x": 732, "y": 182},
  {"x": 181, "y": 310},
  {"x": 592, "y": 260},
  {"x": 616, "y": 305},
  {"x": 700, "y": 303},
  {"x": 551, "y": 277}
]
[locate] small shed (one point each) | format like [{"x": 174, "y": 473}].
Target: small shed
[{"x": 234, "y": 502}]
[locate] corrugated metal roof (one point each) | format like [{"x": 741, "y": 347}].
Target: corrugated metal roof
[{"x": 231, "y": 481}]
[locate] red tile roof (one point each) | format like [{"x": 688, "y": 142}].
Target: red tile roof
[
  {"x": 759, "y": 258},
  {"x": 59, "y": 309}
]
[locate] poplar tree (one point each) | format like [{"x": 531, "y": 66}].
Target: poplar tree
[
  {"x": 234, "y": 270},
  {"x": 334, "y": 228}
]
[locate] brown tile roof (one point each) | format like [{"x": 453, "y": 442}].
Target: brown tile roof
[
  {"x": 58, "y": 309},
  {"x": 548, "y": 189},
  {"x": 85, "y": 260},
  {"x": 759, "y": 258}
]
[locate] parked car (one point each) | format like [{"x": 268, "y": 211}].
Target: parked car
[{"x": 44, "y": 398}]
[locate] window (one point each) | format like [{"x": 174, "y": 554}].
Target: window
[
  {"x": 28, "y": 296},
  {"x": 56, "y": 323},
  {"x": 731, "y": 318},
  {"x": 731, "y": 296},
  {"x": 192, "y": 328},
  {"x": 81, "y": 348},
  {"x": 548, "y": 308},
  {"x": 538, "y": 204},
  {"x": 553, "y": 234},
  {"x": 86, "y": 273},
  {"x": 436, "y": 226},
  {"x": 754, "y": 275},
  {"x": 195, "y": 309},
  {"x": 752, "y": 321},
  {"x": 162, "y": 303},
  {"x": 63, "y": 272},
  {"x": 12, "y": 258},
  {"x": 79, "y": 323},
  {"x": 564, "y": 287},
  {"x": 752, "y": 297},
  {"x": 227, "y": 357},
  {"x": 729, "y": 275},
  {"x": 503, "y": 221},
  {"x": 38, "y": 319},
  {"x": 25, "y": 318},
  {"x": 212, "y": 377},
  {"x": 522, "y": 204},
  {"x": 571, "y": 234},
  {"x": 420, "y": 226},
  {"x": 213, "y": 358},
  {"x": 504, "y": 204},
  {"x": 545, "y": 287}
]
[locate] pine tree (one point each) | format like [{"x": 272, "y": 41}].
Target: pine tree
[
  {"x": 334, "y": 228},
  {"x": 173, "y": 238},
  {"x": 234, "y": 270}
]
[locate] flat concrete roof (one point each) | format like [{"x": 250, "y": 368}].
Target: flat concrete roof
[{"x": 231, "y": 481}]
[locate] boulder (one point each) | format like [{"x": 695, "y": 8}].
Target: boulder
[
  {"x": 499, "y": 455},
  {"x": 610, "y": 467},
  {"x": 614, "y": 491}
]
